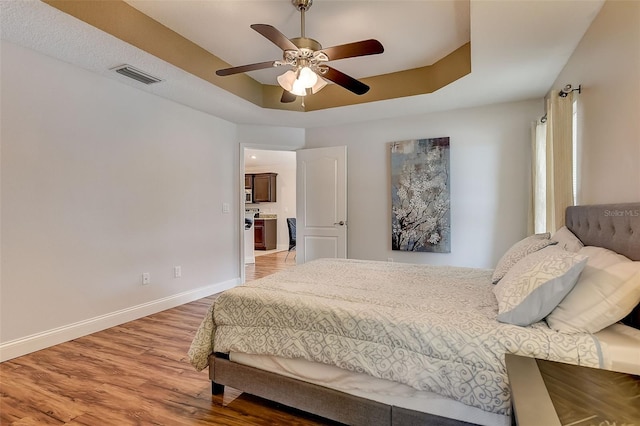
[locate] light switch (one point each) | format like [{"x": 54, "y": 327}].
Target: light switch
[{"x": 226, "y": 208}]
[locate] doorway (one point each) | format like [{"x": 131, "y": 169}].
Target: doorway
[{"x": 260, "y": 160}]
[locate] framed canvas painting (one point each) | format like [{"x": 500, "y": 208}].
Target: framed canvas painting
[{"x": 420, "y": 198}]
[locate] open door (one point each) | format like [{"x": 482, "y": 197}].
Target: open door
[{"x": 321, "y": 206}]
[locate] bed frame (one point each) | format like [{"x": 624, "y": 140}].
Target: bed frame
[{"x": 612, "y": 226}]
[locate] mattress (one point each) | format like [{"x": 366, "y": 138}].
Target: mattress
[
  {"x": 619, "y": 342},
  {"x": 372, "y": 388},
  {"x": 621, "y": 346}
]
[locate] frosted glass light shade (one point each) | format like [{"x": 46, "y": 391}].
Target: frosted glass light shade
[
  {"x": 318, "y": 86},
  {"x": 298, "y": 88},
  {"x": 286, "y": 80},
  {"x": 307, "y": 77}
]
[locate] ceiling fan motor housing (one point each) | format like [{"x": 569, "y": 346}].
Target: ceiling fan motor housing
[{"x": 306, "y": 43}]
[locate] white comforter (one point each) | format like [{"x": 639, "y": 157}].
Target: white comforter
[{"x": 430, "y": 327}]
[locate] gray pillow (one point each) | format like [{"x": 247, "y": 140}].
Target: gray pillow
[
  {"x": 567, "y": 240},
  {"x": 518, "y": 251},
  {"x": 535, "y": 285}
]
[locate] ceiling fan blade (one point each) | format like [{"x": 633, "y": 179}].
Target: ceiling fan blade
[
  {"x": 349, "y": 83},
  {"x": 244, "y": 68},
  {"x": 350, "y": 50},
  {"x": 287, "y": 97},
  {"x": 275, "y": 36}
]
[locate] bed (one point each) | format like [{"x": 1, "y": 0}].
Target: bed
[{"x": 365, "y": 342}]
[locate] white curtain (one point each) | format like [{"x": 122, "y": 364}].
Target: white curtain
[{"x": 552, "y": 165}]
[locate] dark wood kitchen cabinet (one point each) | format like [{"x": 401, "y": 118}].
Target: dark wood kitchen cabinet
[
  {"x": 248, "y": 181},
  {"x": 264, "y": 187},
  {"x": 265, "y": 234}
]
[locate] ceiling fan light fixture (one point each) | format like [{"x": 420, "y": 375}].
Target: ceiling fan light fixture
[{"x": 297, "y": 82}]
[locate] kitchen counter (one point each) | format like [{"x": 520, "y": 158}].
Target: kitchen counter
[{"x": 267, "y": 216}]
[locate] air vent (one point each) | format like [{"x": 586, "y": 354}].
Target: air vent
[{"x": 136, "y": 74}]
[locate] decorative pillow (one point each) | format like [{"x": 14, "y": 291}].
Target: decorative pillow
[
  {"x": 607, "y": 290},
  {"x": 519, "y": 250},
  {"x": 535, "y": 285},
  {"x": 567, "y": 240}
]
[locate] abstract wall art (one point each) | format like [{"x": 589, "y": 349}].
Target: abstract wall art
[{"x": 420, "y": 197}]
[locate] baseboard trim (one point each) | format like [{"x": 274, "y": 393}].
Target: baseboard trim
[{"x": 35, "y": 342}]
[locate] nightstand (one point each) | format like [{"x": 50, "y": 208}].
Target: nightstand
[{"x": 553, "y": 393}]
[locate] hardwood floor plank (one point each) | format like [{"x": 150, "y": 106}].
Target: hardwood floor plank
[
  {"x": 61, "y": 384},
  {"x": 16, "y": 412},
  {"x": 41, "y": 399},
  {"x": 37, "y": 420},
  {"x": 135, "y": 374}
]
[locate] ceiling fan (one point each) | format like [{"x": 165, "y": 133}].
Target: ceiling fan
[{"x": 308, "y": 60}]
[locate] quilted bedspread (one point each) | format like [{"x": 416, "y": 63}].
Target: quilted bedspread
[{"x": 431, "y": 327}]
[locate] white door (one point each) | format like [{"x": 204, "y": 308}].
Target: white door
[{"x": 321, "y": 207}]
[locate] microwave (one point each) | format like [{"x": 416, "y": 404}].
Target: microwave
[{"x": 248, "y": 198}]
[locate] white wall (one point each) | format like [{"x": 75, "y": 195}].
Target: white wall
[
  {"x": 100, "y": 183},
  {"x": 490, "y": 175},
  {"x": 607, "y": 65},
  {"x": 273, "y": 136}
]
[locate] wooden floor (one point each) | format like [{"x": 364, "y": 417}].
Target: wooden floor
[
  {"x": 134, "y": 374},
  {"x": 269, "y": 264}
]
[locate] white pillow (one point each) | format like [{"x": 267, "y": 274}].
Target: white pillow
[
  {"x": 567, "y": 240},
  {"x": 601, "y": 257},
  {"x": 535, "y": 285},
  {"x": 607, "y": 290},
  {"x": 518, "y": 251}
]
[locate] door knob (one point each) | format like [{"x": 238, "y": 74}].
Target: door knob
[{"x": 341, "y": 223}]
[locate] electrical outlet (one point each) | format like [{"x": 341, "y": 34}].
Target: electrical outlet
[
  {"x": 177, "y": 271},
  {"x": 146, "y": 278}
]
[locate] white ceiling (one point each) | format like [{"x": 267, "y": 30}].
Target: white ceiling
[
  {"x": 433, "y": 28},
  {"x": 518, "y": 48}
]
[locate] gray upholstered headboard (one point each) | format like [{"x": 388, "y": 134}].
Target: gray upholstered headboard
[{"x": 612, "y": 226}]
